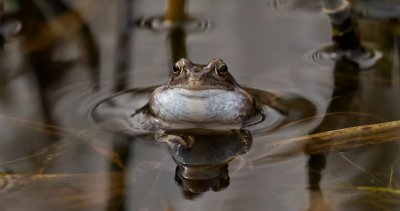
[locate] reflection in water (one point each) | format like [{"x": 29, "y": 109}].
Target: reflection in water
[
  {"x": 43, "y": 47},
  {"x": 2, "y": 39},
  {"x": 124, "y": 42},
  {"x": 349, "y": 55},
  {"x": 343, "y": 93},
  {"x": 204, "y": 165},
  {"x": 177, "y": 23},
  {"x": 193, "y": 187}
]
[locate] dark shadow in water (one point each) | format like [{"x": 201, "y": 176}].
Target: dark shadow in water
[
  {"x": 48, "y": 27},
  {"x": 122, "y": 73},
  {"x": 346, "y": 38},
  {"x": 2, "y": 24},
  {"x": 346, "y": 44},
  {"x": 346, "y": 84},
  {"x": 42, "y": 40},
  {"x": 124, "y": 44},
  {"x": 177, "y": 44}
]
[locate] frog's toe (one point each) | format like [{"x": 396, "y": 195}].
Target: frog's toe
[
  {"x": 174, "y": 140},
  {"x": 190, "y": 141},
  {"x": 182, "y": 141}
]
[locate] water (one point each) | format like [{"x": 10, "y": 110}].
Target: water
[{"x": 55, "y": 155}]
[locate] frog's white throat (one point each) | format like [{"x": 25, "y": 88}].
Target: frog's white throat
[{"x": 197, "y": 106}]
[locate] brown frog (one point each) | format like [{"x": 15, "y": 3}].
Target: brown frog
[{"x": 202, "y": 94}]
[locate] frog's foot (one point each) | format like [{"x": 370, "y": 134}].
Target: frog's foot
[{"x": 174, "y": 140}]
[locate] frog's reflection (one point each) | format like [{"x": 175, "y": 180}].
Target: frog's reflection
[
  {"x": 192, "y": 186},
  {"x": 204, "y": 165}
]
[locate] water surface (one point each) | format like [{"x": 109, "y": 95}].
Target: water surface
[{"x": 54, "y": 155}]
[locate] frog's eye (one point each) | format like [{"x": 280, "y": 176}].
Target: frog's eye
[
  {"x": 176, "y": 69},
  {"x": 222, "y": 70}
]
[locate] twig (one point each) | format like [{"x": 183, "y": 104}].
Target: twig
[{"x": 347, "y": 138}]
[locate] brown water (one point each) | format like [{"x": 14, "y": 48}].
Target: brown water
[{"x": 53, "y": 155}]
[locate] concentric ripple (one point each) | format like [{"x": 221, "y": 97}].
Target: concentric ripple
[
  {"x": 328, "y": 54},
  {"x": 160, "y": 24},
  {"x": 121, "y": 106},
  {"x": 294, "y": 5}
]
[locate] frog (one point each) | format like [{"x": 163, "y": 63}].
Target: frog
[{"x": 203, "y": 96}]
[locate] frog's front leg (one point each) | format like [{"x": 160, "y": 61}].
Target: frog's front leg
[{"x": 174, "y": 140}]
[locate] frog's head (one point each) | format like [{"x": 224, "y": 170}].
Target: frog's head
[
  {"x": 191, "y": 76},
  {"x": 202, "y": 93}
]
